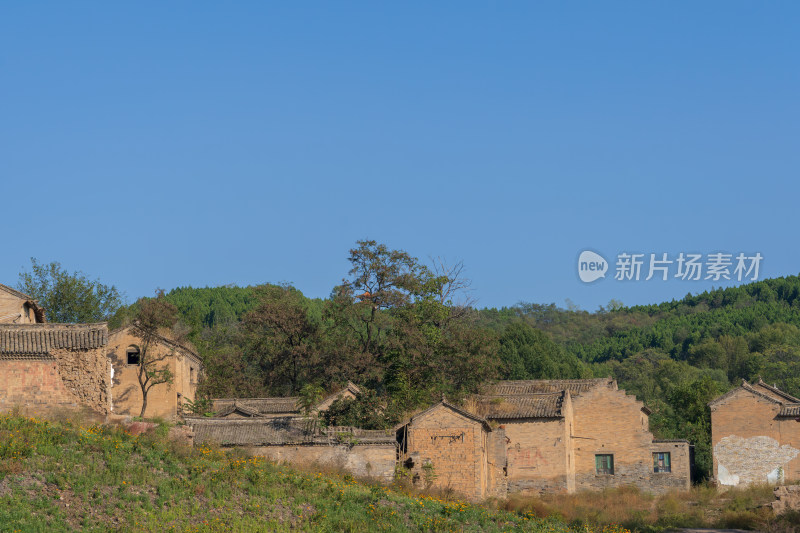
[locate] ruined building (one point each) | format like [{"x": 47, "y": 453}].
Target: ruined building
[
  {"x": 755, "y": 435},
  {"x": 277, "y": 429},
  {"x": 47, "y": 368},
  {"x": 517, "y": 437},
  {"x": 543, "y": 436},
  {"x": 165, "y": 400}
]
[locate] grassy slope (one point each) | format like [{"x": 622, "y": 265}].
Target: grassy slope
[{"x": 62, "y": 477}]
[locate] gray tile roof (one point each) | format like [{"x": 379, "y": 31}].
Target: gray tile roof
[
  {"x": 790, "y": 410},
  {"x": 539, "y": 386},
  {"x": 288, "y": 405},
  {"x": 281, "y": 431},
  {"x": 781, "y": 396},
  {"x": 269, "y": 431},
  {"x": 31, "y": 340},
  {"x": 528, "y": 406}
]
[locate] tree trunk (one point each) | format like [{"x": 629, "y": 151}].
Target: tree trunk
[{"x": 144, "y": 404}]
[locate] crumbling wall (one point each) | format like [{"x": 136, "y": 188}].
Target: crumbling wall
[
  {"x": 496, "y": 448},
  {"x": 751, "y": 460},
  {"x": 87, "y": 374},
  {"x": 751, "y": 443}
]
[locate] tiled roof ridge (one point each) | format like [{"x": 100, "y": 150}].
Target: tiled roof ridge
[
  {"x": 571, "y": 380},
  {"x": 30, "y": 339},
  {"x": 58, "y": 325},
  {"x": 443, "y": 402},
  {"x": 259, "y": 399},
  {"x": 524, "y": 394},
  {"x": 15, "y": 292},
  {"x": 776, "y": 390},
  {"x": 749, "y": 388}
]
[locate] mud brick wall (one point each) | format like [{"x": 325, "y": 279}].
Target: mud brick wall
[
  {"x": 375, "y": 461},
  {"x": 163, "y": 399},
  {"x": 609, "y": 421},
  {"x": 456, "y": 448},
  {"x": 537, "y": 454},
  {"x": 751, "y": 444},
  {"x": 35, "y": 386},
  {"x": 496, "y": 447}
]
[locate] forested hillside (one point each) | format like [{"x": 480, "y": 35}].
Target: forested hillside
[{"x": 405, "y": 332}]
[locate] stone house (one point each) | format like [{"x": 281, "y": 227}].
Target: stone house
[
  {"x": 19, "y": 308},
  {"x": 542, "y": 436},
  {"x": 47, "y": 368},
  {"x": 755, "y": 435},
  {"x": 165, "y": 400}
]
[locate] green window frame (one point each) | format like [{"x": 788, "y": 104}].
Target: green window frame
[
  {"x": 661, "y": 462},
  {"x": 604, "y": 463}
]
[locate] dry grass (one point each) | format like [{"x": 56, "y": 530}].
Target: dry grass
[{"x": 703, "y": 506}]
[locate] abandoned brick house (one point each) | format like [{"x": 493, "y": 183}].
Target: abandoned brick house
[
  {"x": 544, "y": 436},
  {"x": 518, "y": 437},
  {"x": 165, "y": 400},
  {"x": 755, "y": 435},
  {"x": 46, "y": 367}
]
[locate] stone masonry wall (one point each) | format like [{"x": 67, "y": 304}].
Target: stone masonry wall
[
  {"x": 750, "y": 444},
  {"x": 371, "y": 460}
]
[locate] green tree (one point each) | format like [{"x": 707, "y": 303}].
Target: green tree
[
  {"x": 154, "y": 314},
  {"x": 282, "y": 339},
  {"x": 310, "y": 395},
  {"x": 380, "y": 279},
  {"x": 69, "y": 297},
  {"x": 367, "y": 410}
]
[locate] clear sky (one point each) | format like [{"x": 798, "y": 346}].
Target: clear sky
[{"x": 164, "y": 144}]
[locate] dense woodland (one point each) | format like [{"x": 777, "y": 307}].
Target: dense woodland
[{"x": 407, "y": 333}]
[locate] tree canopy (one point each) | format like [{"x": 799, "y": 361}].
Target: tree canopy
[{"x": 69, "y": 297}]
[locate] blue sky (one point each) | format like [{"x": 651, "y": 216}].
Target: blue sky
[{"x": 156, "y": 144}]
